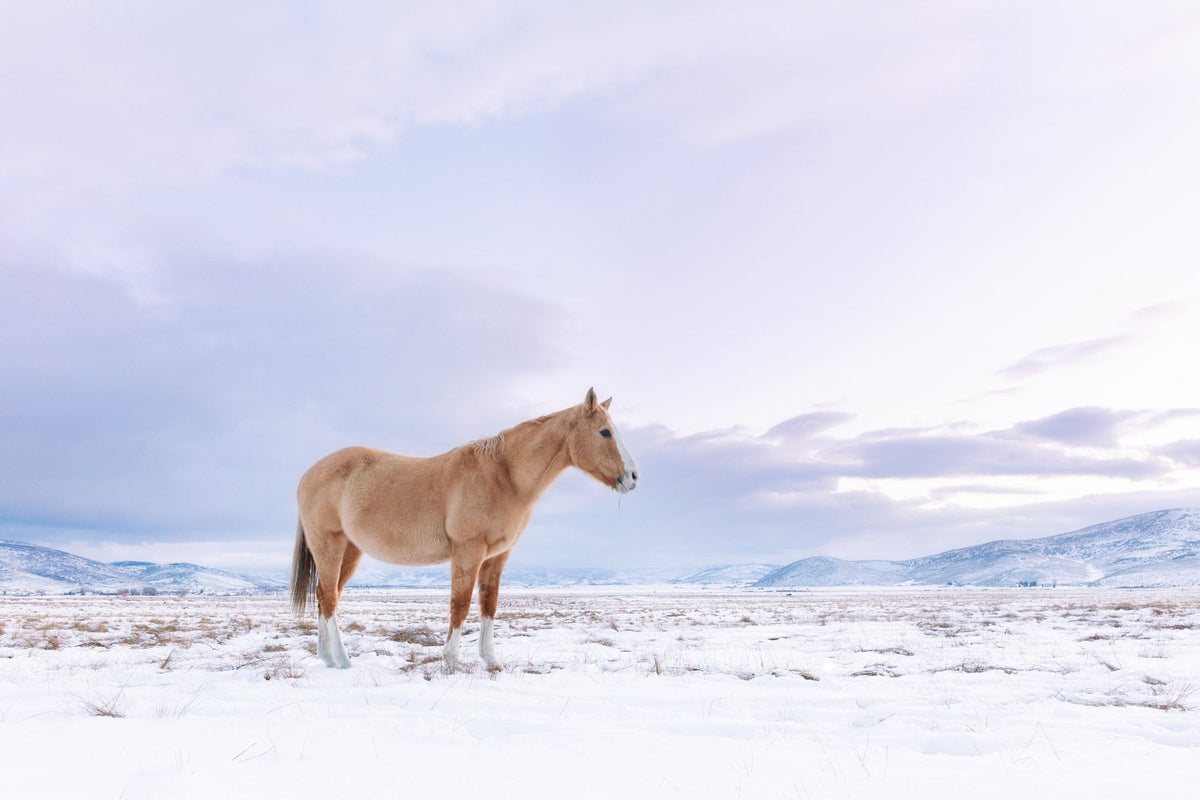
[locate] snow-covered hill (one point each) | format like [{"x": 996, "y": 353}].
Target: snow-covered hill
[
  {"x": 27, "y": 568},
  {"x": 1161, "y": 548},
  {"x": 376, "y": 575},
  {"x": 823, "y": 571},
  {"x": 729, "y": 575}
]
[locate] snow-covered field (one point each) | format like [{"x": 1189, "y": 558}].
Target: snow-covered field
[{"x": 638, "y": 693}]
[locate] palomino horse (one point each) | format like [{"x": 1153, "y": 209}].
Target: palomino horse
[{"x": 468, "y": 506}]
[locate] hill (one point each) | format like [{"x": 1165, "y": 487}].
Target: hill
[
  {"x": 28, "y": 568},
  {"x": 1161, "y": 548}
]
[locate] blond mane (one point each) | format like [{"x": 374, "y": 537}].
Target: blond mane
[
  {"x": 493, "y": 446},
  {"x": 490, "y": 446}
]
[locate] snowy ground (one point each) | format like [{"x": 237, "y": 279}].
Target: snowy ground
[{"x": 837, "y": 693}]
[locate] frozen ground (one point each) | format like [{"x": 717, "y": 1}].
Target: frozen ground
[{"x": 891, "y": 694}]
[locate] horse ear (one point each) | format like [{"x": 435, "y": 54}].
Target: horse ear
[
  {"x": 606, "y": 404},
  {"x": 589, "y": 402}
]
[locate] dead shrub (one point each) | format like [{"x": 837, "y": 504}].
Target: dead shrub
[
  {"x": 283, "y": 667},
  {"x": 897, "y": 651},
  {"x": 421, "y": 635},
  {"x": 877, "y": 671},
  {"x": 99, "y": 707}
]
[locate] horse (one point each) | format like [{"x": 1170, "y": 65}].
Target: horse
[{"x": 468, "y": 506}]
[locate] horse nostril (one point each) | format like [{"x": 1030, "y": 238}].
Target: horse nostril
[{"x": 633, "y": 475}]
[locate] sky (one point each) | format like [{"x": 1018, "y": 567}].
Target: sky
[{"x": 865, "y": 280}]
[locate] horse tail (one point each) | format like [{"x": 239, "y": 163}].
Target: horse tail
[{"x": 304, "y": 572}]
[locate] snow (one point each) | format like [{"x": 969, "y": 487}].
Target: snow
[{"x": 670, "y": 692}]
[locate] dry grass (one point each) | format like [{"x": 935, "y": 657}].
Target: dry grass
[
  {"x": 284, "y": 667},
  {"x": 1176, "y": 695},
  {"x": 101, "y": 707},
  {"x": 895, "y": 651},
  {"x": 973, "y": 667},
  {"x": 421, "y": 635},
  {"x": 877, "y": 671},
  {"x": 181, "y": 708}
]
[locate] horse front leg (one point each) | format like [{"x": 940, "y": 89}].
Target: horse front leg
[
  {"x": 464, "y": 569},
  {"x": 489, "y": 597}
]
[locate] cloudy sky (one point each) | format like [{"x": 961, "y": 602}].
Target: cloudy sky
[{"x": 869, "y": 280}]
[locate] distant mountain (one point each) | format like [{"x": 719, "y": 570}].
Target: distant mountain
[
  {"x": 532, "y": 577},
  {"x": 36, "y": 568},
  {"x": 1161, "y": 548},
  {"x": 377, "y": 575},
  {"x": 26, "y": 568},
  {"x": 824, "y": 571},
  {"x": 1157, "y": 549},
  {"x": 729, "y": 575}
]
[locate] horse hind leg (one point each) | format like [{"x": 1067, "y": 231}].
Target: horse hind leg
[
  {"x": 329, "y": 639},
  {"x": 350, "y": 559},
  {"x": 331, "y": 566}
]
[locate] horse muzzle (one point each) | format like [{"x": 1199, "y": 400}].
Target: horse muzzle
[{"x": 627, "y": 482}]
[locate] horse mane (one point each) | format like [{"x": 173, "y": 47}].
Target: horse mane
[
  {"x": 493, "y": 446},
  {"x": 490, "y": 446}
]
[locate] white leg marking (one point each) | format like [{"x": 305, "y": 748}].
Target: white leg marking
[
  {"x": 487, "y": 649},
  {"x": 451, "y": 649},
  {"x": 323, "y": 640},
  {"x": 329, "y": 643}
]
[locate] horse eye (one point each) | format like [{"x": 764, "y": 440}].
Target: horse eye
[{"x": 606, "y": 433}]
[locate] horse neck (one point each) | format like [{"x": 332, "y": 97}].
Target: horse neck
[{"x": 536, "y": 452}]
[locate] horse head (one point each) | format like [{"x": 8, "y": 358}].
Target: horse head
[{"x": 596, "y": 447}]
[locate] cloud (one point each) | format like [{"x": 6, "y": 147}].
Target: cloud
[
  {"x": 932, "y": 456},
  {"x": 1185, "y": 452},
  {"x": 944, "y": 492},
  {"x": 1068, "y": 355},
  {"x": 821, "y": 67},
  {"x": 806, "y": 426},
  {"x": 186, "y": 93},
  {"x": 1171, "y": 415},
  {"x": 1062, "y": 356},
  {"x": 198, "y": 413},
  {"x": 1159, "y": 312},
  {"x": 1080, "y": 427}
]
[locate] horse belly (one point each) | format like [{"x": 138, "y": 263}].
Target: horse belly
[
  {"x": 407, "y": 542},
  {"x": 396, "y": 516}
]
